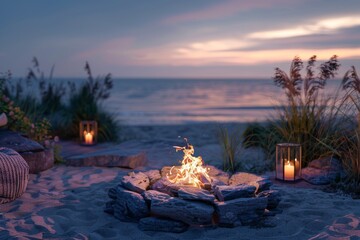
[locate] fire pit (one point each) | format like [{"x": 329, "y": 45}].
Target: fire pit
[{"x": 191, "y": 195}]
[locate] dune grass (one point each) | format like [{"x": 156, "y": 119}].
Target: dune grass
[
  {"x": 64, "y": 105},
  {"x": 351, "y": 148},
  {"x": 230, "y": 142},
  {"x": 308, "y": 117}
]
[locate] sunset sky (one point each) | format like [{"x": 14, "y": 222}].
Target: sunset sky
[{"x": 164, "y": 38}]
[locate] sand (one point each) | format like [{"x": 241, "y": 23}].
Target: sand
[{"x": 67, "y": 203}]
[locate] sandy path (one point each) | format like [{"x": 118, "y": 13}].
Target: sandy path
[{"x": 67, "y": 203}]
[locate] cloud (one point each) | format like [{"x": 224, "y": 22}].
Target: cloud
[
  {"x": 224, "y": 9},
  {"x": 258, "y": 57},
  {"x": 217, "y": 52},
  {"x": 324, "y": 26},
  {"x": 220, "y": 45}
]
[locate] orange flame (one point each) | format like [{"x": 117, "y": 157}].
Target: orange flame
[{"x": 191, "y": 171}]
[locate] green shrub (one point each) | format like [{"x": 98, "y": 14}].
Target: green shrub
[
  {"x": 84, "y": 102},
  {"x": 36, "y": 128}
]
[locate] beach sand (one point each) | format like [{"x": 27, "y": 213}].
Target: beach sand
[{"x": 67, "y": 202}]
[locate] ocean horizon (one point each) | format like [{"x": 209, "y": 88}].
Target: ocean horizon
[
  {"x": 151, "y": 101},
  {"x": 173, "y": 101}
]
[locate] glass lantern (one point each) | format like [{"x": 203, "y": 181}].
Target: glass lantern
[
  {"x": 88, "y": 132},
  {"x": 288, "y": 161}
]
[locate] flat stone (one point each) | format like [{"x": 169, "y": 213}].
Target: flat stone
[
  {"x": 37, "y": 157},
  {"x": 165, "y": 171},
  {"x": 137, "y": 182},
  {"x": 109, "y": 158},
  {"x": 329, "y": 163},
  {"x": 273, "y": 196},
  {"x": 190, "y": 212},
  {"x": 153, "y": 175},
  {"x": 218, "y": 176},
  {"x": 225, "y": 193},
  {"x": 193, "y": 193},
  {"x": 165, "y": 186},
  {"x": 162, "y": 225},
  {"x": 152, "y": 194},
  {"x": 39, "y": 161},
  {"x": 322, "y": 171},
  {"x": 18, "y": 142},
  {"x": 261, "y": 183},
  {"x": 316, "y": 176},
  {"x": 241, "y": 211},
  {"x": 129, "y": 206}
]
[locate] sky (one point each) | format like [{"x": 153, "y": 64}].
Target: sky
[{"x": 175, "y": 38}]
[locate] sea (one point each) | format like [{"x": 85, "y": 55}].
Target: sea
[{"x": 184, "y": 101}]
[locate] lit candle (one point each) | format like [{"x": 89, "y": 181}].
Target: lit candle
[
  {"x": 88, "y": 138},
  {"x": 289, "y": 172}
]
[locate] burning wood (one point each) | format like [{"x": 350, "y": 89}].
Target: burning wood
[{"x": 191, "y": 172}]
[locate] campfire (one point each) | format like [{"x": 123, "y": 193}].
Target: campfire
[
  {"x": 192, "y": 194},
  {"x": 192, "y": 172}
]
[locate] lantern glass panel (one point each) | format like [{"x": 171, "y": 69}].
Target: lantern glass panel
[
  {"x": 88, "y": 132},
  {"x": 288, "y": 161}
]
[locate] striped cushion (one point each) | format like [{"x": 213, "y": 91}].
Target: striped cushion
[{"x": 14, "y": 175}]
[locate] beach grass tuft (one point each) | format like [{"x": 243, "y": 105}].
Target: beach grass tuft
[
  {"x": 64, "y": 105},
  {"x": 307, "y": 117},
  {"x": 230, "y": 142}
]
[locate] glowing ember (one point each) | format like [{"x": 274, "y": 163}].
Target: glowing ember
[{"x": 191, "y": 171}]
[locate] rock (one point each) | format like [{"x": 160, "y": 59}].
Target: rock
[
  {"x": 221, "y": 177},
  {"x": 193, "y": 193},
  {"x": 137, "y": 182},
  {"x": 163, "y": 185},
  {"x": 215, "y": 182},
  {"x": 224, "y": 193},
  {"x": 163, "y": 225},
  {"x": 261, "y": 183},
  {"x": 166, "y": 170},
  {"x": 322, "y": 171},
  {"x": 129, "y": 206},
  {"x": 241, "y": 211},
  {"x": 190, "y": 212},
  {"x": 110, "y": 158},
  {"x": 37, "y": 157},
  {"x": 153, "y": 175},
  {"x": 326, "y": 163},
  {"x": 273, "y": 196},
  {"x": 39, "y": 161},
  {"x": 152, "y": 194},
  {"x": 18, "y": 142}
]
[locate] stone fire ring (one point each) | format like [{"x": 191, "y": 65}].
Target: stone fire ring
[{"x": 159, "y": 205}]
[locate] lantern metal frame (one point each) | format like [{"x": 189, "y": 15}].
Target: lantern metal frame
[
  {"x": 288, "y": 157},
  {"x": 89, "y": 127}
]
